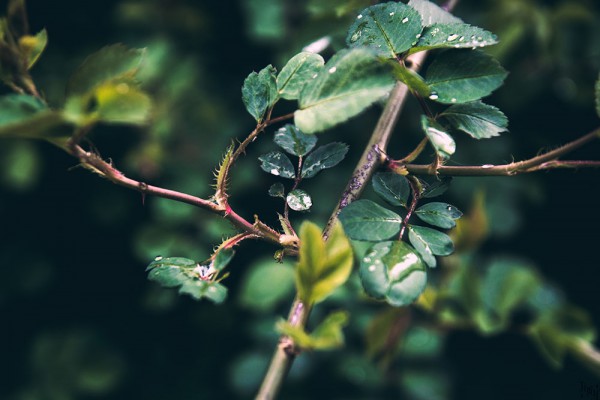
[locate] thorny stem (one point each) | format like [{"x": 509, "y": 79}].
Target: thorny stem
[{"x": 414, "y": 186}]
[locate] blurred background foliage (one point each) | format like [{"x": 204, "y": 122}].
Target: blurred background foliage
[{"x": 79, "y": 318}]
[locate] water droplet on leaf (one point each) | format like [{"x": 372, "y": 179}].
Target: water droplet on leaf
[
  {"x": 332, "y": 70},
  {"x": 404, "y": 20},
  {"x": 275, "y": 171},
  {"x": 434, "y": 96},
  {"x": 452, "y": 37},
  {"x": 158, "y": 258}
]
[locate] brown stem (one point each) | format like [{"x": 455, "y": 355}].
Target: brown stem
[{"x": 414, "y": 186}]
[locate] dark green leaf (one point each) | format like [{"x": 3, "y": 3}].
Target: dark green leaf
[
  {"x": 431, "y": 13},
  {"x": 260, "y": 92},
  {"x": 455, "y": 35},
  {"x": 323, "y": 157},
  {"x": 477, "y": 119},
  {"x": 299, "y": 200},
  {"x": 439, "y": 243},
  {"x": 443, "y": 143},
  {"x": 413, "y": 80},
  {"x": 350, "y": 82},
  {"x": 460, "y": 76},
  {"x": 223, "y": 258},
  {"x": 437, "y": 188},
  {"x": 389, "y": 29},
  {"x": 439, "y": 214},
  {"x": 299, "y": 70},
  {"x": 322, "y": 266},
  {"x": 366, "y": 220},
  {"x": 292, "y": 140},
  {"x": 115, "y": 62},
  {"x": 278, "y": 164},
  {"x": 393, "y": 271},
  {"x": 277, "y": 190},
  {"x": 393, "y": 188},
  {"x": 171, "y": 271},
  {"x": 27, "y": 117},
  {"x": 266, "y": 284}
]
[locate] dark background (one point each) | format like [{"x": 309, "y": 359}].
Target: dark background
[{"x": 78, "y": 318}]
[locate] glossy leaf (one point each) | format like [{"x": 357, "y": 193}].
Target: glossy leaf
[
  {"x": 393, "y": 188},
  {"x": 479, "y": 120},
  {"x": 350, "y": 82},
  {"x": 115, "y": 62},
  {"x": 266, "y": 284},
  {"x": 25, "y": 116},
  {"x": 394, "y": 272},
  {"x": 260, "y": 92},
  {"x": 33, "y": 46},
  {"x": 324, "y": 157},
  {"x": 431, "y": 13},
  {"x": 322, "y": 266},
  {"x": 388, "y": 28},
  {"x": 455, "y": 35},
  {"x": 299, "y": 200},
  {"x": 441, "y": 141},
  {"x": 429, "y": 242},
  {"x": 442, "y": 215},
  {"x": 292, "y": 140},
  {"x": 461, "y": 76},
  {"x": 328, "y": 334},
  {"x": 366, "y": 220},
  {"x": 299, "y": 70},
  {"x": 278, "y": 164},
  {"x": 277, "y": 190}
]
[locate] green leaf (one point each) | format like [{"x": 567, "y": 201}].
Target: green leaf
[
  {"x": 442, "y": 215},
  {"x": 222, "y": 259},
  {"x": 278, "y": 164},
  {"x": 266, "y": 284},
  {"x": 429, "y": 242},
  {"x": 455, "y": 35},
  {"x": 323, "y": 157},
  {"x": 431, "y": 13},
  {"x": 477, "y": 119},
  {"x": 389, "y": 29},
  {"x": 327, "y": 336},
  {"x": 24, "y": 116},
  {"x": 443, "y": 143},
  {"x": 292, "y": 140},
  {"x": 350, "y": 82},
  {"x": 277, "y": 190},
  {"x": 413, "y": 80},
  {"x": 461, "y": 76},
  {"x": 119, "y": 103},
  {"x": 299, "y": 200},
  {"x": 33, "y": 46},
  {"x": 299, "y": 70},
  {"x": 322, "y": 266},
  {"x": 260, "y": 92},
  {"x": 115, "y": 62},
  {"x": 598, "y": 96},
  {"x": 437, "y": 188},
  {"x": 199, "y": 290},
  {"x": 393, "y": 188},
  {"x": 393, "y": 271},
  {"x": 366, "y": 220}
]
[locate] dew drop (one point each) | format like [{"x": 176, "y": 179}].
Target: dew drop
[
  {"x": 404, "y": 20},
  {"x": 434, "y": 96},
  {"x": 371, "y": 268},
  {"x": 487, "y": 166},
  {"x": 418, "y": 35},
  {"x": 275, "y": 172},
  {"x": 392, "y": 14},
  {"x": 332, "y": 70},
  {"x": 359, "y": 16},
  {"x": 158, "y": 258},
  {"x": 452, "y": 37},
  {"x": 315, "y": 75},
  {"x": 461, "y": 39},
  {"x": 449, "y": 208},
  {"x": 453, "y": 100},
  {"x": 355, "y": 36}
]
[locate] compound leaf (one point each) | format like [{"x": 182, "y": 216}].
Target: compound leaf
[
  {"x": 393, "y": 188},
  {"x": 366, "y": 220}
]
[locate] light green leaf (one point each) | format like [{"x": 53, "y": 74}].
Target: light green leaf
[
  {"x": 598, "y": 96},
  {"x": 393, "y": 271},
  {"x": 299, "y": 70},
  {"x": 24, "y": 116},
  {"x": 266, "y": 284},
  {"x": 199, "y": 290},
  {"x": 278, "y": 164},
  {"x": 461, "y": 76},
  {"x": 477, "y": 119},
  {"x": 413, "y": 80},
  {"x": 115, "y": 62},
  {"x": 327, "y": 336},
  {"x": 292, "y": 140},
  {"x": 442, "y": 215},
  {"x": 33, "y": 46},
  {"x": 431, "y": 13},
  {"x": 323, "y": 157},
  {"x": 322, "y": 266},
  {"x": 443, "y": 143},
  {"x": 299, "y": 200},
  {"x": 260, "y": 92},
  {"x": 429, "y": 242},
  {"x": 277, "y": 190},
  {"x": 389, "y": 29},
  {"x": 393, "y": 188},
  {"x": 455, "y": 35},
  {"x": 366, "y": 220},
  {"x": 350, "y": 82}
]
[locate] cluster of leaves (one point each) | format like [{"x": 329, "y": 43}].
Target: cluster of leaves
[{"x": 298, "y": 144}]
